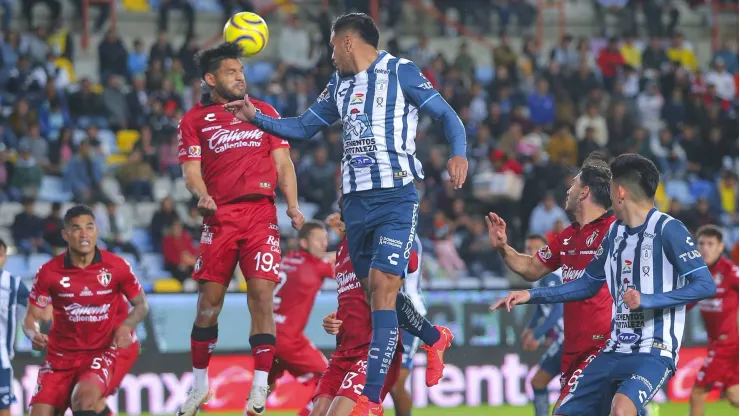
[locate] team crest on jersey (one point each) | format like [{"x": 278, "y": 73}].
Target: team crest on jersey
[
  {"x": 381, "y": 85},
  {"x": 357, "y": 126},
  {"x": 545, "y": 253},
  {"x": 104, "y": 277},
  {"x": 647, "y": 252},
  {"x": 590, "y": 240},
  {"x": 324, "y": 96}
]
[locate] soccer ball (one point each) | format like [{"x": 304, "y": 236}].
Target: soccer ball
[{"x": 249, "y": 31}]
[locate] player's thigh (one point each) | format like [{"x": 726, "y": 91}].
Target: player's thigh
[
  {"x": 393, "y": 233},
  {"x": 550, "y": 362},
  {"x": 592, "y": 390},
  {"x": 640, "y": 376},
  {"x": 731, "y": 393},
  {"x": 321, "y": 406},
  {"x": 359, "y": 243},
  {"x": 574, "y": 370},
  {"x": 259, "y": 247},
  {"x": 341, "y": 406},
  {"x": 53, "y": 388},
  {"x": 124, "y": 363},
  {"x": 43, "y": 409},
  {"x": 218, "y": 250},
  {"x": 93, "y": 378}
]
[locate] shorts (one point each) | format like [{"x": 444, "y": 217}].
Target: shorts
[
  {"x": 410, "y": 346},
  {"x": 571, "y": 368},
  {"x": 300, "y": 358},
  {"x": 124, "y": 363},
  {"x": 551, "y": 359},
  {"x": 720, "y": 368},
  {"x": 245, "y": 233},
  {"x": 345, "y": 376},
  {"x": 381, "y": 228},
  {"x": 638, "y": 376},
  {"x": 6, "y": 388},
  {"x": 59, "y": 376}
]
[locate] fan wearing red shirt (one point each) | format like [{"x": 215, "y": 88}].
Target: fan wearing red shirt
[
  {"x": 302, "y": 272},
  {"x": 178, "y": 251},
  {"x": 571, "y": 250},
  {"x": 84, "y": 287},
  {"x": 232, "y": 167},
  {"x": 719, "y": 313}
]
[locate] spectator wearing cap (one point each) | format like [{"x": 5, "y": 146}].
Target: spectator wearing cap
[
  {"x": 84, "y": 174},
  {"x": 542, "y": 105},
  {"x": 28, "y": 230},
  {"x": 545, "y": 214},
  {"x": 27, "y": 174},
  {"x": 115, "y": 230},
  {"x": 722, "y": 79},
  {"x": 179, "y": 251},
  {"x": 679, "y": 51}
]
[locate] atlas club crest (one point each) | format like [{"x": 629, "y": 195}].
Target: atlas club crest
[{"x": 104, "y": 277}]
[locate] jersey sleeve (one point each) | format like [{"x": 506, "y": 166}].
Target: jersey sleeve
[
  {"x": 325, "y": 107},
  {"x": 129, "y": 285},
  {"x": 680, "y": 249},
  {"x": 275, "y": 142},
  {"x": 188, "y": 144},
  {"x": 549, "y": 254},
  {"x": 40, "y": 295},
  {"x": 595, "y": 268},
  {"x": 22, "y": 294},
  {"x": 327, "y": 269},
  {"x": 415, "y": 86}
]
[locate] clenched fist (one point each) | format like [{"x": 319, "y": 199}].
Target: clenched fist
[{"x": 331, "y": 324}]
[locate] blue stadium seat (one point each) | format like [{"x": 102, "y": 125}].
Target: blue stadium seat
[
  {"x": 153, "y": 265},
  {"x": 35, "y": 261},
  {"x": 18, "y": 266},
  {"x": 148, "y": 287},
  {"x": 679, "y": 189},
  {"x": 484, "y": 74},
  {"x": 259, "y": 72},
  {"x": 108, "y": 141},
  {"x": 53, "y": 190},
  {"x": 131, "y": 260},
  {"x": 141, "y": 239},
  {"x": 701, "y": 189}
]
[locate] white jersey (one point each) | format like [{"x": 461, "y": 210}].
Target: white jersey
[
  {"x": 379, "y": 109},
  {"x": 13, "y": 301}
]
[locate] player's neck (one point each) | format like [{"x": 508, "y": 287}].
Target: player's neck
[
  {"x": 81, "y": 260},
  {"x": 363, "y": 61},
  {"x": 636, "y": 214},
  {"x": 218, "y": 99},
  {"x": 589, "y": 213}
]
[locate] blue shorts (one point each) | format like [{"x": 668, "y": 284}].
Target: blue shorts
[
  {"x": 6, "y": 388},
  {"x": 638, "y": 376},
  {"x": 550, "y": 361},
  {"x": 381, "y": 227},
  {"x": 410, "y": 346}
]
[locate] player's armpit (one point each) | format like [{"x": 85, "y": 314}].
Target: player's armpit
[
  {"x": 139, "y": 312},
  {"x": 193, "y": 177}
]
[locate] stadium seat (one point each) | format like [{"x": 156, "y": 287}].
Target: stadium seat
[
  {"x": 308, "y": 209},
  {"x": 153, "y": 266},
  {"x": 242, "y": 285},
  {"x": 53, "y": 189},
  {"x": 42, "y": 208},
  {"x": 701, "y": 189},
  {"x": 126, "y": 140},
  {"x": 130, "y": 259},
  {"x": 111, "y": 187},
  {"x": 8, "y": 211},
  {"x": 148, "y": 287},
  {"x": 142, "y": 240},
  {"x": 162, "y": 187},
  {"x": 17, "y": 265},
  {"x": 35, "y": 261},
  {"x": 128, "y": 212},
  {"x": 144, "y": 213},
  {"x": 167, "y": 285},
  {"x": 259, "y": 72},
  {"x": 180, "y": 192},
  {"x": 116, "y": 159},
  {"x": 679, "y": 189},
  {"x": 136, "y": 6},
  {"x": 108, "y": 141},
  {"x": 484, "y": 74}
]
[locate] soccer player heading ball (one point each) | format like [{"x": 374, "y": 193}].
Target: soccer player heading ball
[
  {"x": 649, "y": 262},
  {"x": 378, "y": 97},
  {"x": 232, "y": 167}
]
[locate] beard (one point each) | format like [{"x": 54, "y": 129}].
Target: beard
[{"x": 228, "y": 95}]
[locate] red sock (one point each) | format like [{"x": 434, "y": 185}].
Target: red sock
[
  {"x": 202, "y": 344},
  {"x": 263, "y": 351}
]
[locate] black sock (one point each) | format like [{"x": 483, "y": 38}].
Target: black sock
[
  {"x": 106, "y": 411},
  {"x": 85, "y": 413}
]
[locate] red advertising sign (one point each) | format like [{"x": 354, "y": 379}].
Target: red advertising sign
[
  {"x": 230, "y": 379},
  {"x": 689, "y": 364}
]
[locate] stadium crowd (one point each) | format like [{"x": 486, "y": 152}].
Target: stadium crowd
[{"x": 531, "y": 120}]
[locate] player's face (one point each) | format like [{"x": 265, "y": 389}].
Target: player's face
[
  {"x": 230, "y": 83},
  {"x": 710, "y": 248},
  {"x": 574, "y": 195},
  {"x": 81, "y": 234},
  {"x": 533, "y": 244},
  {"x": 340, "y": 46},
  {"x": 316, "y": 243}
]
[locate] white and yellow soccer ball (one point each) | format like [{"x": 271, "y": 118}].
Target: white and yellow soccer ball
[{"x": 249, "y": 31}]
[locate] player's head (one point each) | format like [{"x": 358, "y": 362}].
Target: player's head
[
  {"x": 710, "y": 239},
  {"x": 533, "y": 243},
  {"x": 222, "y": 70},
  {"x": 80, "y": 230},
  {"x": 313, "y": 238},
  {"x": 634, "y": 182},
  {"x": 352, "y": 35},
  {"x": 590, "y": 186},
  {"x": 3, "y": 253}
]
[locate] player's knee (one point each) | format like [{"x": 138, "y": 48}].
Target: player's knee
[
  {"x": 85, "y": 396},
  {"x": 260, "y": 294},
  {"x": 623, "y": 406},
  {"x": 697, "y": 394}
]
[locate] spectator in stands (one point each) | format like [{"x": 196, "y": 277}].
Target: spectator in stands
[
  {"x": 103, "y": 13},
  {"x": 186, "y": 6},
  {"x": 542, "y": 105},
  {"x": 53, "y": 119},
  {"x": 28, "y": 230},
  {"x": 565, "y": 53},
  {"x": 622, "y": 9},
  {"x": 112, "y": 56},
  {"x": 653, "y": 10},
  {"x": 55, "y": 8},
  {"x": 38, "y": 145},
  {"x": 176, "y": 76},
  {"x": 232, "y": 7},
  {"x": 26, "y": 78},
  {"x": 620, "y": 126},
  {"x": 631, "y": 53},
  {"x": 587, "y": 145},
  {"x": 316, "y": 176},
  {"x": 8, "y": 13},
  {"x": 722, "y": 80},
  {"x": 445, "y": 250},
  {"x": 294, "y": 47},
  {"x": 728, "y": 192},
  {"x": 654, "y": 58},
  {"x": 4, "y": 172},
  {"x": 179, "y": 251},
  {"x": 162, "y": 50},
  {"x": 137, "y": 101},
  {"x": 545, "y": 214},
  {"x": 592, "y": 119},
  {"x": 193, "y": 222},
  {"x": 669, "y": 155},
  {"x": 115, "y": 230},
  {"x": 186, "y": 53},
  {"x": 138, "y": 59},
  {"x": 84, "y": 174},
  {"x": 680, "y": 51},
  {"x": 674, "y": 111},
  {"x": 583, "y": 81},
  {"x": 87, "y": 107},
  {"x": 504, "y": 54},
  {"x": 464, "y": 62},
  {"x": 35, "y": 46},
  {"x": 728, "y": 53},
  {"x": 650, "y": 105},
  {"x": 21, "y": 118},
  {"x": 169, "y": 163},
  {"x": 162, "y": 219},
  {"x": 53, "y": 225},
  {"x": 25, "y": 181},
  {"x": 155, "y": 76},
  {"x": 135, "y": 177},
  {"x": 562, "y": 147},
  {"x": 114, "y": 101},
  {"x": 610, "y": 62}
]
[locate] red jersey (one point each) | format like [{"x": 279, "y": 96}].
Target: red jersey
[
  {"x": 86, "y": 302},
  {"x": 720, "y": 311},
  {"x": 301, "y": 276},
  {"x": 235, "y": 155},
  {"x": 356, "y": 331},
  {"x": 571, "y": 250}
]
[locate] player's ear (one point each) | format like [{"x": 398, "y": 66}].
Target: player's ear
[
  {"x": 210, "y": 79},
  {"x": 64, "y": 234}
]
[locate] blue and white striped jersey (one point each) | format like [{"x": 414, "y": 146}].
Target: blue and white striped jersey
[
  {"x": 653, "y": 259},
  {"x": 13, "y": 301},
  {"x": 379, "y": 109},
  {"x": 412, "y": 281}
]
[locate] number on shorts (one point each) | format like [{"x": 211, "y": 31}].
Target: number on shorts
[
  {"x": 347, "y": 383},
  {"x": 96, "y": 364},
  {"x": 265, "y": 262},
  {"x": 275, "y": 298}
]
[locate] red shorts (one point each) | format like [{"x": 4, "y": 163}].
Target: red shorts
[
  {"x": 720, "y": 368},
  {"x": 345, "y": 376},
  {"x": 572, "y": 366},
  {"x": 299, "y": 357},
  {"x": 246, "y": 233},
  {"x": 124, "y": 362},
  {"x": 58, "y": 377}
]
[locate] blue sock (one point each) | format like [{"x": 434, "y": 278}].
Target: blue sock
[
  {"x": 541, "y": 403},
  {"x": 412, "y": 321},
  {"x": 382, "y": 349}
]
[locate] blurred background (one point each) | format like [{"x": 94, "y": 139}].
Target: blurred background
[{"x": 91, "y": 92}]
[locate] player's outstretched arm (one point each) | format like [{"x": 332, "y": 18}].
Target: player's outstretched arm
[
  {"x": 584, "y": 288},
  {"x": 524, "y": 265}
]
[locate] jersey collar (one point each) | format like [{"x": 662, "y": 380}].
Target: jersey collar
[
  {"x": 608, "y": 214},
  {"x": 97, "y": 258}
]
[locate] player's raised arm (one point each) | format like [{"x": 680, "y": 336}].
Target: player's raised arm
[
  {"x": 680, "y": 250},
  {"x": 323, "y": 113},
  {"x": 418, "y": 90},
  {"x": 189, "y": 155},
  {"x": 526, "y": 266}
]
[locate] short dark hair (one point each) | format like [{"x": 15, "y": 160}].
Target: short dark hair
[
  {"x": 710, "y": 230},
  {"x": 596, "y": 175},
  {"x": 360, "y": 23},
  {"x": 3, "y": 245},
  {"x": 537, "y": 237},
  {"x": 308, "y": 228},
  {"x": 209, "y": 60},
  {"x": 77, "y": 211},
  {"x": 637, "y": 173}
]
